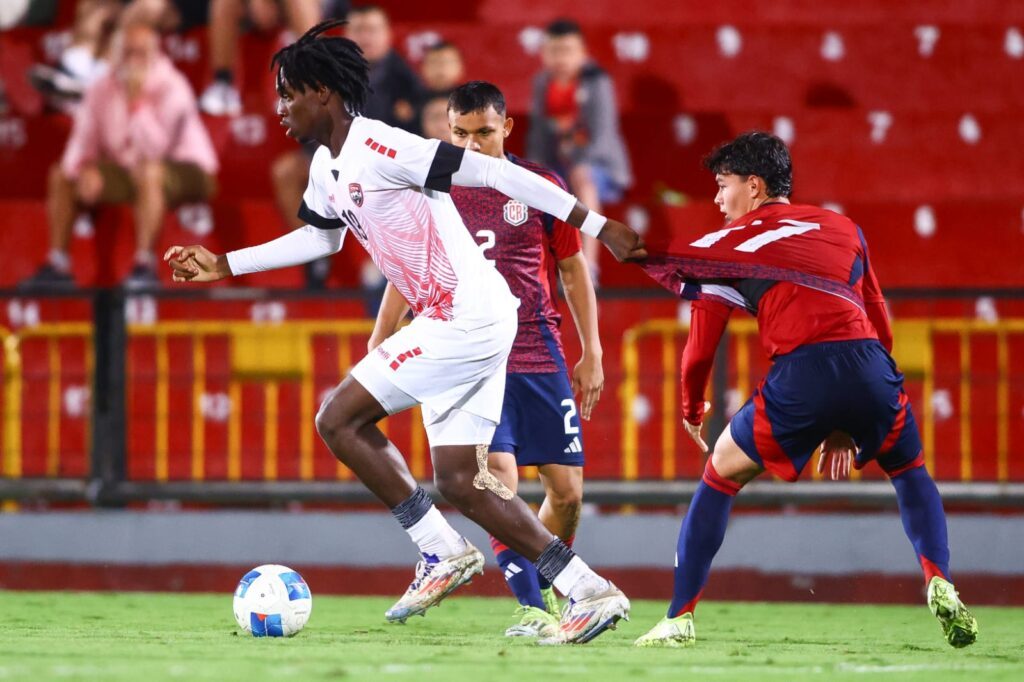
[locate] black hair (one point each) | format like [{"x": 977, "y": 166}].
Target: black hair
[
  {"x": 476, "y": 96},
  {"x": 755, "y": 153},
  {"x": 367, "y": 9},
  {"x": 442, "y": 45},
  {"x": 563, "y": 27},
  {"x": 335, "y": 63}
]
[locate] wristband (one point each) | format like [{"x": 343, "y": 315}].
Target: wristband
[{"x": 593, "y": 224}]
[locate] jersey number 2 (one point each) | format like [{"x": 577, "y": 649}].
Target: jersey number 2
[{"x": 488, "y": 241}]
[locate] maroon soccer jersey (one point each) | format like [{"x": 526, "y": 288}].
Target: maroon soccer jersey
[{"x": 524, "y": 245}]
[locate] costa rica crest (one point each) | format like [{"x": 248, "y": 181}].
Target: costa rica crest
[
  {"x": 355, "y": 192},
  {"x": 516, "y": 212}
]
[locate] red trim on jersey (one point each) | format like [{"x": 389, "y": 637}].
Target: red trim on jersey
[
  {"x": 772, "y": 454},
  {"x": 714, "y": 480},
  {"x": 917, "y": 462},
  {"x": 497, "y": 546},
  {"x": 930, "y": 569},
  {"x": 689, "y": 606},
  {"x": 897, "y": 426}
]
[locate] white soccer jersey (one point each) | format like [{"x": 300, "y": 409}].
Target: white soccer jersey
[{"x": 389, "y": 188}]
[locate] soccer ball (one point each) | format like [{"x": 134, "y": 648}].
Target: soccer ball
[{"x": 272, "y": 601}]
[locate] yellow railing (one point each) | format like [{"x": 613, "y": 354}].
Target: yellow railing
[
  {"x": 914, "y": 351},
  {"x": 262, "y": 353}
]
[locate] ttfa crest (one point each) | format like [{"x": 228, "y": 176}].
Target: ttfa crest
[
  {"x": 355, "y": 192},
  {"x": 516, "y": 212}
]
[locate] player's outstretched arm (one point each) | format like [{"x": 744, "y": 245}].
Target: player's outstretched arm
[
  {"x": 197, "y": 264},
  {"x": 479, "y": 170}
]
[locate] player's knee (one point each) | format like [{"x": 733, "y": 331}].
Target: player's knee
[
  {"x": 332, "y": 422},
  {"x": 456, "y": 486},
  {"x": 566, "y": 503}
]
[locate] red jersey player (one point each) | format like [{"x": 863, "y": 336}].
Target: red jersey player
[
  {"x": 805, "y": 273},
  {"x": 539, "y": 424}
]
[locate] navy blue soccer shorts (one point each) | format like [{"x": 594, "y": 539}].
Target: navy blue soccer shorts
[
  {"x": 539, "y": 423},
  {"x": 851, "y": 386}
]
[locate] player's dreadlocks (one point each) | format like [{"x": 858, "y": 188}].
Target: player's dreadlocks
[{"x": 334, "y": 63}]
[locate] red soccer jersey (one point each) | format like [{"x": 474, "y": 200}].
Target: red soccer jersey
[
  {"x": 524, "y": 245},
  {"x": 804, "y": 271}
]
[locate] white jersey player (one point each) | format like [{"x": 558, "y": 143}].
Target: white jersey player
[{"x": 389, "y": 188}]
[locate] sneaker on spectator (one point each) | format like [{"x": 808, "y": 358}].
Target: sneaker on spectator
[
  {"x": 54, "y": 82},
  {"x": 142, "y": 276},
  {"x": 221, "y": 99},
  {"x": 48, "y": 278}
]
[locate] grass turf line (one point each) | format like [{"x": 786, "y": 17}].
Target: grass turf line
[{"x": 156, "y": 637}]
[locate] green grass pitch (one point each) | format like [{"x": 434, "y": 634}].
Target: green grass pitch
[{"x": 154, "y": 637}]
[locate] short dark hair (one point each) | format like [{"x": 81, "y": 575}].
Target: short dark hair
[
  {"x": 442, "y": 45},
  {"x": 563, "y": 27},
  {"x": 335, "y": 63},
  {"x": 755, "y": 153},
  {"x": 368, "y": 9},
  {"x": 476, "y": 96}
]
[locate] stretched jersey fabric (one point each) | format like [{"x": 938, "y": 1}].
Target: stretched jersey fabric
[
  {"x": 524, "y": 244},
  {"x": 389, "y": 189},
  {"x": 802, "y": 270}
]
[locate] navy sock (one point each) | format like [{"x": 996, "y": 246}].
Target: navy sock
[
  {"x": 924, "y": 520},
  {"x": 700, "y": 537},
  {"x": 544, "y": 583},
  {"x": 520, "y": 574}
]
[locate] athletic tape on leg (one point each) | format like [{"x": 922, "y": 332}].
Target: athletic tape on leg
[{"x": 485, "y": 480}]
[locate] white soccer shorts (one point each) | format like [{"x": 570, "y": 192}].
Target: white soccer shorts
[{"x": 458, "y": 377}]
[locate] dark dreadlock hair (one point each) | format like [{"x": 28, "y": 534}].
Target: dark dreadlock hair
[{"x": 335, "y": 63}]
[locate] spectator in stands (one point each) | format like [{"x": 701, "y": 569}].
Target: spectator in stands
[
  {"x": 442, "y": 68},
  {"x": 221, "y": 96},
  {"x": 395, "y": 87},
  {"x": 136, "y": 138},
  {"x": 434, "y": 117},
  {"x": 574, "y": 125},
  {"x": 442, "y": 71}
]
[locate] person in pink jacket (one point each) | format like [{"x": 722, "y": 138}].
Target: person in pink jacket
[{"x": 138, "y": 139}]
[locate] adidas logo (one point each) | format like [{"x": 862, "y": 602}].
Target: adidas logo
[
  {"x": 512, "y": 571},
  {"x": 574, "y": 446}
]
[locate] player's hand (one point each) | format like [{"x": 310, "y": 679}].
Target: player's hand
[
  {"x": 695, "y": 429},
  {"x": 587, "y": 383},
  {"x": 840, "y": 449},
  {"x": 196, "y": 264},
  {"x": 624, "y": 243}
]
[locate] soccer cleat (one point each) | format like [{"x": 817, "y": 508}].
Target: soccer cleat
[
  {"x": 434, "y": 582},
  {"x": 585, "y": 619},
  {"x": 221, "y": 99},
  {"x": 550, "y": 600},
  {"x": 958, "y": 624},
  {"x": 670, "y": 633},
  {"x": 534, "y": 622}
]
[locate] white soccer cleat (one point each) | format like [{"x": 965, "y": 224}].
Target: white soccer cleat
[
  {"x": 221, "y": 99},
  {"x": 434, "y": 582},
  {"x": 585, "y": 619},
  {"x": 670, "y": 632}
]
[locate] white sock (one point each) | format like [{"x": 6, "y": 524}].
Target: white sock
[
  {"x": 59, "y": 260},
  {"x": 578, "y": 581},
  {"x": 435, "y": 537}
]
